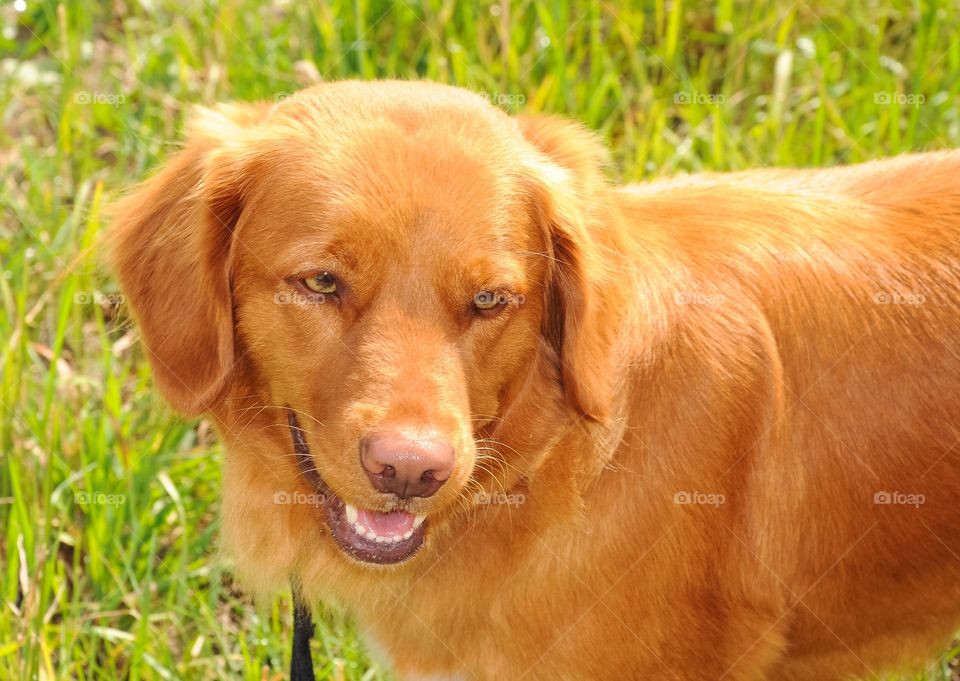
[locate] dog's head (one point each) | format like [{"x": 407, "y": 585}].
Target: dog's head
[{"x": 394, "y": 290}]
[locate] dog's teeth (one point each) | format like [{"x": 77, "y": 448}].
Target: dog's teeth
[{"x": 352, "y": 514}]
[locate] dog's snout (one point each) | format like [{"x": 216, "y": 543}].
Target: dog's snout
[{"x": 407, "y": 465}]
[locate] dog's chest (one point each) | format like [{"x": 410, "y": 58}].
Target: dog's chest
[{"x": 379, "y": 652}]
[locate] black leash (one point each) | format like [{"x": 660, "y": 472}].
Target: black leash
[{"x": 301, "y": 662}]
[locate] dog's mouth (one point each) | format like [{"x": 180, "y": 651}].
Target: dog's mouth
[{"x": 366, "y": 535}]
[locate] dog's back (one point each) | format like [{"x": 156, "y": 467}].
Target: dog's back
[{"x": 843, "y": 286}]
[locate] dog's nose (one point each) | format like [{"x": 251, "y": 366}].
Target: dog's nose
[{"x": 407, "y": 465}]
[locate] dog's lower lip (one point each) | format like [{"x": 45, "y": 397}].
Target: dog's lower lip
[{"x": 386, "y": 551}]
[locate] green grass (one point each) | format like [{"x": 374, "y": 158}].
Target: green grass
[{"x": 108, "y": 502}]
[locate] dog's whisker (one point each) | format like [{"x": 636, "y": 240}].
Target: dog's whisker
[{"x": 500, "y": 457}]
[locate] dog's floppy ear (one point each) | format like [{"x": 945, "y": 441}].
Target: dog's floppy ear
[
  {"x": 569, "y": 193},
  {"x": 169, "y": 247}
]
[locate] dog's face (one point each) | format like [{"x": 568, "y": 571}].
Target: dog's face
[
  {"x": 390, "y": 306},
  {"x": 395, "y": 274}
]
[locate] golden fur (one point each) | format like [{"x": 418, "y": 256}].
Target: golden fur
[{"x": 709, "y": 386}]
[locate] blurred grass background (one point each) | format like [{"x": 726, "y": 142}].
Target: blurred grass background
[{"x": 108, "y": 502}]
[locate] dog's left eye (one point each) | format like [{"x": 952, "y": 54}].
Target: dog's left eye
[
  {"x": 489, "y": 302},
  {"x": 324, "y": 282}
]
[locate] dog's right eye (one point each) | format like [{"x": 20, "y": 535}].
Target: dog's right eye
[
  {"x": 487, "y": 300},
  {"x": 489, "y": 303},
  {"x": 324, "y": 283}
]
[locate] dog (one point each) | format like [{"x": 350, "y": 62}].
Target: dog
[{"x": 521, "y": 423}]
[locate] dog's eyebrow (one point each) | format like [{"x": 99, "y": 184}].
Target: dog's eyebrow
[
  {"x": 491, "y": 272},
  {"x": 304, "y": 255}
]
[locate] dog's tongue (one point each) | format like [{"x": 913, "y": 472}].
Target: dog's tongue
[{"x": 396, "y": 523}]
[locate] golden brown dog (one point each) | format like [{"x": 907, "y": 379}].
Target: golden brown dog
[{"x": 522, "y": 424}]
